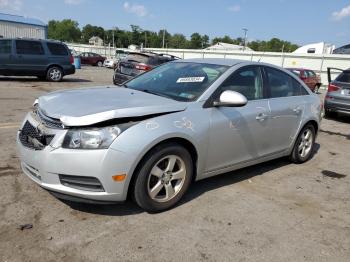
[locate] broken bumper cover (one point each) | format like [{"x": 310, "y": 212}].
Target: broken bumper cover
[{"x": 89, "y": 172}]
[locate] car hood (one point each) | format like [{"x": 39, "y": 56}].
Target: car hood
[{"x": 88, "y": 106}]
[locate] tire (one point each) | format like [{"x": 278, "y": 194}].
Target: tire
[
  {"x": 317, "y": 87},
  {"x": 155, "y": 188},
  {"x": 54, "y": 74},
  {"x": 304, "y": 145},
  {"x": 99, "y": 63},
  {"x": 329, "y": 114}
]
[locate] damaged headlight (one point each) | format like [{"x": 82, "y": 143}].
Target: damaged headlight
[{"x": 100, "y": 138}]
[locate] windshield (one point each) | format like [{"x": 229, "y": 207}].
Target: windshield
[{"x": 180, "y": 81}]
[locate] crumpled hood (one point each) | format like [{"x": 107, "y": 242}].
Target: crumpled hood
[{"x": 87, "y": 106}]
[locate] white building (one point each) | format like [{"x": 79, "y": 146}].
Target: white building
[
  {"x": 315, "y": 48},
  {"x": 228, "y": 47},
  {"x": 95, "y": 40},
  {"x": 12, "y": 26}
]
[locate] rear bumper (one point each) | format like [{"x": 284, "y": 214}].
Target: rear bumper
[
  {"x": 337, "y": 106},
  {"x": 69, "y": 70},
  {"x": 119, "y": 78}
]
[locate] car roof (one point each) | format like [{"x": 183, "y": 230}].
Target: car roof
[
  {"x": 297, "y": 68},
  {"x": 33, "y": 39},
  {"x": 214, "y": 61}
]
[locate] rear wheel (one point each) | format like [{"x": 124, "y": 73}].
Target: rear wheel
[
  {"x": 329, "y": 114},
  {"x": 304, "y": 145},
  {"x": 54, "y": 74},
  {"x": 163, "y": 177}
]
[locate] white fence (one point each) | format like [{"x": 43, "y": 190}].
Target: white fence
[{"x": 316, "y": 62}]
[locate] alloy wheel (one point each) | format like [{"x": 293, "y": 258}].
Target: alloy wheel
[
  {"x": 55, "y": 74},
  {"x": 305, "y": 144},
  {"x": 166, "y": 178}
]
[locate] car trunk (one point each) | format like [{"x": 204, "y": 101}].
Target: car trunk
[
  {"x": 340, "y": 88},
  {"x": 134, "y": 65}
]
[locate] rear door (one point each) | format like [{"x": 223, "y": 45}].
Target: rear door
[
  {"x": 287, "y": 105},
  {"x": 5, "y": 56},
  {"x": 239, "y": 134},
  {"x": 30, "y": 57}
]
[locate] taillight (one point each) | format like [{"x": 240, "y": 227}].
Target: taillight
[
  {"x": 333, "y": 88},
  {"x": 71, "y": 59},
  {"x": 143, "y": 67}
]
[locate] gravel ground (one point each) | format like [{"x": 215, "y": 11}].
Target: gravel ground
[{"x": 276, "y": 211}]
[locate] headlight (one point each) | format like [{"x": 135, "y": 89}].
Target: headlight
[{"x": 91, "y": 138}]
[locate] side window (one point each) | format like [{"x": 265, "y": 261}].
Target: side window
[
  {"x": 5, "y": 46},
  {"x": 281, "y": 85},
  {"x": 247, "y": 81},
  {"x": 311, "y": 74},
  {"x": 27, "y": 47},
  {"x": 57, "y": 49}
]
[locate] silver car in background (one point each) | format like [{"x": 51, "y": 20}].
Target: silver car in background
[{"x": 183, "y": 121}]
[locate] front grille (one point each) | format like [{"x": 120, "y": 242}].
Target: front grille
[
  {"x": 31, "y": 137},
  {"x": 49, "y": 121},
  {"x": 82, "y": 183}
]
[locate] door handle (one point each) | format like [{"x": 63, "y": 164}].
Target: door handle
[{"x": 261, "y": 117}]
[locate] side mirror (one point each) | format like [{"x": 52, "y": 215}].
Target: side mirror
[{"x": 231, "y": 99}]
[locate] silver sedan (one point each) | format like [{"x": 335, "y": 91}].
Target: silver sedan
[{"x": 181, "y": 122}]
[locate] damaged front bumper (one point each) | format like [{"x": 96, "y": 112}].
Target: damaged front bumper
[{"x": 85, "y": 175}]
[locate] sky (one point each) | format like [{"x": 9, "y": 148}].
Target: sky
[{"x": 299, "y": 21}]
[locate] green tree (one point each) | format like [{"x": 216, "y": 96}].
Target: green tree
[
  {"x": 196, "y": 41},
  {"x": 65, "y": 30},
  {"x": 90, "y": 31},
  {"x": 178, "y": 41}
]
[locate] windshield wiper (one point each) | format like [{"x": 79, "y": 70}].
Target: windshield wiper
[{"x": 155, "y": 93}]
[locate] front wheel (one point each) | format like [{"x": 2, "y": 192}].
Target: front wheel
[
  {"x": 304, "y": 145},
  {"x": 163, "y": 177},
  {"x": 99, "y": 64},
  {"x": 54, "y": 74}
]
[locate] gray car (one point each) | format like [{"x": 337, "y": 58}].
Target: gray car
[
  {"x": 337, "y": 99},
  {"x": 180, "y": 122}
]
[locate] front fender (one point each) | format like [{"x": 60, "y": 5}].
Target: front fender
[{"x": 139, "y": 139}]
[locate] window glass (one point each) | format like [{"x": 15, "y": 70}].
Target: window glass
[
  {"x": 57, "y": 49},
  {"x": 281, "y": 84},
  {"x": 246, "y": 81},
  {"x": 311, "y": 74},
  {"x": 181, "y": 81},
  {"x": 5, "y": 46},
  {"x": 26, "y": 47},
  {"x": 344, "y": 77},
  {"x": 311, "y": 51},
  {"x": 137, "y": 58}
]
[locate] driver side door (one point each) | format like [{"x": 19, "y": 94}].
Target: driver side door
[{"x": 238, "y": 134}]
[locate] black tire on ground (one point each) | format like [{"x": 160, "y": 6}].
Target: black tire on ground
[
  {"x": 54, "y": 74},
  {"x": 142, "y": 183},
  {"x": 329, "y": 114},
  {"x": 99, "y": 63},
  {"x": 297, "y": 155}
]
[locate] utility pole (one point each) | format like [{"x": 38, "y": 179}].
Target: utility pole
[
  {"x": 245, "y": 38},
  {"x": 163, "y": 38},
  {"x": 145, "y": 39},
  {"x": 113, "y": 38}
]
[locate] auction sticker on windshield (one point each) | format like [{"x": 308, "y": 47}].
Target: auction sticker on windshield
[{"x": 190, "y": 79}]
